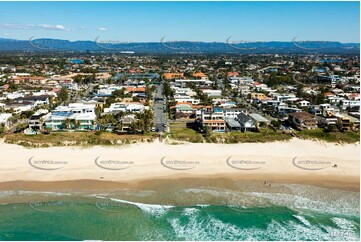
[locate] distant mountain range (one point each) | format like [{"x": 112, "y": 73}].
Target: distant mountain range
[{"x": 271, "y": 47}]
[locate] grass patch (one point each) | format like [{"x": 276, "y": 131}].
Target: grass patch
[
  {"x": 74, "y": 138},
  {"x": 265, "y": 135},
  {"x": 179, "y": 131},
  {"x": 336, "y": 137}
]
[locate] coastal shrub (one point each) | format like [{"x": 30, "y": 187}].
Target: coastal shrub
[
  {"x": 213, "y": 139},
  {"x": 107, "y": 142},
  {"x": 25, "y": 144},
  {"x": 99, "y": 132},
  {"x": 195, "y": 139},
  {"x": 336, "y": 136}
]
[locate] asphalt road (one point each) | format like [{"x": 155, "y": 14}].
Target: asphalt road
[{"x": 160, "y": 117}]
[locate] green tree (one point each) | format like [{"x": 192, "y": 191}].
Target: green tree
[
  {"x": 275, "y": 123},
  {"x": 118, "y": 93},
  {"x": 63, "y": 94},
  {"x": 207, "y": 132},
  {"x": 137, "y": 126},
  {"x": 67, "y": 122},
  {"x": 2, "y": 129},
  {"x": 78, "y": 79},
  {"x": 167, "y": 91}
]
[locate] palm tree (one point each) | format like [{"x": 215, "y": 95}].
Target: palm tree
[
  {"x": 67, "y": 123},
  {"x": 137, "y": 126},
  {"x": 75, "y": 123},
  {"x": 119, "y": 125},
  {"x": 146, "y": 116}
]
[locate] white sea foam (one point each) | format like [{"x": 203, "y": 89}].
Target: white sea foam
[
  {"x": 189, "y": 211},
  {"x": 152, "y": 209},
  {"x": 14, "y": 193},
  {"x": 209, "y": 228},
  {"x": 44, "y": 193},
  {"x": 302, "y": 220},
  {"x": 344, "y": 224},
  {"x": 203, "y": 205},
  {"x": 213, "y": 192},
  {"x": 315, "y": 204},
  {"x": 7, "y": 193}
]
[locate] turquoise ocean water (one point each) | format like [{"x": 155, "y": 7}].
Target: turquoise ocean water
[{"x": 289, "y": 212}]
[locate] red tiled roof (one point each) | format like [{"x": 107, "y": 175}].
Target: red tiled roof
[
  {"x": 328, "y": 94},
  {"x": 136, "y": 89},
  {"x": 213, "y": 121},
  {"x": 233, "y": 73},
  {"x": 199, "y": 74}
]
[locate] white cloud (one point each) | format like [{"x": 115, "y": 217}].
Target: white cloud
[
  {"x": 102, "y": 29},
  {"x": 52, "y": 27},
  {"x": 16, "y": 26},
  {"x": 57, "y": 27}
]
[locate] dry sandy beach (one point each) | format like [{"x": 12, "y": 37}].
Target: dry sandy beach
[{"x": 296, "y": 161}]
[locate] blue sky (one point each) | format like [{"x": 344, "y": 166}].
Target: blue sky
[{"x": 192, "y": 21}]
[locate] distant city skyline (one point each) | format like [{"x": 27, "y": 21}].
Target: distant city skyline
[{"x": 182, "y": 21}]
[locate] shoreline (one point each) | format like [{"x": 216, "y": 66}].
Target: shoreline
[
  {"x": 87, "y": 184},
  {"x": 140, "y": 165}
]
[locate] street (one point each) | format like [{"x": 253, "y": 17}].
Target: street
[{"x": 160, "y": 116}]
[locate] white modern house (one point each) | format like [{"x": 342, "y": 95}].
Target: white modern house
[
  {"x": 232, "y": 112},
  {"x": 304, "y": 103},
  {"x": 81, "y": 116},
  {"x": 125, "y": 107},
  {"x": 344, "y": 104},
  {"x": 212, "y": 93},
  {"x": 13, "y": 95},
  {"x": 4, "y": 118},
  {"x": 185, "y": 99},
  {"x": 184, "y": 91},
  {"x": 197, "y": 82},
  {"x": 107, "y": 90},
  {"x": 283, "y": 96},
  {"x": 240, "y": 80}
]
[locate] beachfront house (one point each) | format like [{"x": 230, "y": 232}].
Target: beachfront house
[
  {"x": 77, "y": 116},
  {"x": 302, "y": 120},
  {"x": 36, "y": 121},
  {"x": 5, "y": 119},
  {"x": 246, "y": 122},
  {"x": 126, "y": 123},
  {"x": 214, "y": 120}
]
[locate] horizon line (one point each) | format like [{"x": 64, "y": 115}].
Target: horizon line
[{"x": 180, "y": 41}]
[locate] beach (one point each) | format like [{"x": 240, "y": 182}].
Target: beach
[
  {"x": 157, "y": 191},
  {"x": 296, "y": 162}
]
